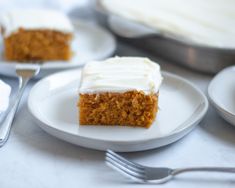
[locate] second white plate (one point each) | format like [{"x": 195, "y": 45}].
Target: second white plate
[
  {"x": 52, "y": 101},
  {"x": 91, "y": 42}
]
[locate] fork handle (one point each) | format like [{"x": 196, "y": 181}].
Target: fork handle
[
  {"x": 203, "y": 169},
  {"x": 6, "y": 124}
]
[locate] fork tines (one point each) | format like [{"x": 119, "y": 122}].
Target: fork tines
[{"x": 125, "y": 166}]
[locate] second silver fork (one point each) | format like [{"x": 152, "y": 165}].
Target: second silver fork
[
  {"x": 158, "y": 174},
  {"x": 24, "y": 73}
]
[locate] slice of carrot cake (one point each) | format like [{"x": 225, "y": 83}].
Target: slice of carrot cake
[
  {"x": 119, "y": 91},
  {"x": 36, "y": 34}
]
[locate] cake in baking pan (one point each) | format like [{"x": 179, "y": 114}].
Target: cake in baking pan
[
  {"x": 36, "y": 34},
  {"x": 119, "y": 91},
  {"x": 193, "y": 22}
]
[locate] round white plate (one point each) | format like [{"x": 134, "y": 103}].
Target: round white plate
[
  {"x": 90, "y": 42},
  {"x": 221, "y": 92},
  {"x": 52, "y": 101}
]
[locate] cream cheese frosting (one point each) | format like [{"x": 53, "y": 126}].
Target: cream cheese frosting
[
  {"x": 5, "y": 91},
  {"x": 209, "y": 22},
  {"x": 120, "y": 74},
  {"x": 11, "y": 21}
]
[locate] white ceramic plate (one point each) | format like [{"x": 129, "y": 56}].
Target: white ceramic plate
[
  {"x": 52, "y": 101},
  {"x": 91, "y": 42},
  {"x": 221, "y": 92}
]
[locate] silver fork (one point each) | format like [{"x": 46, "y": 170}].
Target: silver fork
[
  {"x": 147, "y": 174},
  {"x": 24, "y": 73}
]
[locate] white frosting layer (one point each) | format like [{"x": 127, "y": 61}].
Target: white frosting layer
[
  {"x": 120, "y": 74},
  {"x": 207, "y": 22},
  {"x": 5, "y": 91},
  {"x": 32, "y": 19}
]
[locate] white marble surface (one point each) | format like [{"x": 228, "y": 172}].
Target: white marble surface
[{"x": 34, "y": 159}]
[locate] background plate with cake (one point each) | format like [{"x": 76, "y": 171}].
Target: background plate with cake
[{"x": 48, "y": 37}]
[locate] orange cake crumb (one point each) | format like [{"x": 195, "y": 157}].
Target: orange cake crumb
[
  {"x": 132, "y": 108},
  {"x": 27, "y": 45}
]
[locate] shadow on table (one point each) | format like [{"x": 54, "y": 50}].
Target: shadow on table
[
  {"x": 181, "y": 180},
  {"x": 208, "y": 180},
  {"x": 218, "y": 128}
]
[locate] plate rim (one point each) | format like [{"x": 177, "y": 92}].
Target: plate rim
[{"x": 190, "y": 125}]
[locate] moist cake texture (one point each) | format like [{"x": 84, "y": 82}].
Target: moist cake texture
[
  {"x": 119, "y": 91},
  {"x": 36, "y": 35}
]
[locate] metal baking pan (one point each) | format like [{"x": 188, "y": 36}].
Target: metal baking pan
[{"x": 197, "y": 57}]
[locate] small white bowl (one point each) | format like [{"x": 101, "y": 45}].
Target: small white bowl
[{"x": 221, "y": 92}]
